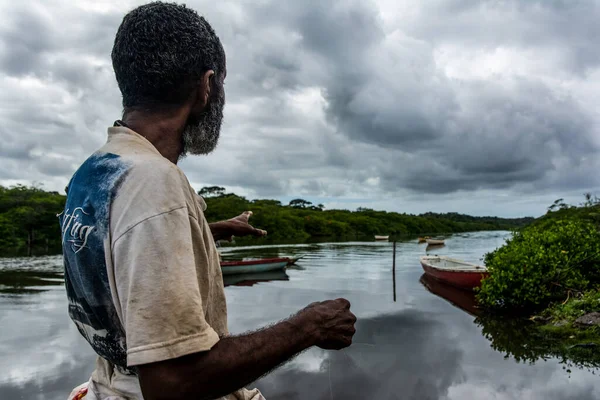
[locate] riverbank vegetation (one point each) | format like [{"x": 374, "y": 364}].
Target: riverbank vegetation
[
  {"x": 28, "y": 222},
  {"x": 550, "y": 270}
]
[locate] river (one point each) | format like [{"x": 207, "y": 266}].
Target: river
[{"x": 427, "y": 343}]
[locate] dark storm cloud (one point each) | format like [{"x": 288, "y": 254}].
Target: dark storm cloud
[
  {"x": 383, "y": 87},
  {"x": 337, "y": 97},
  {"x": 57, "y": 87},
  {"x": 25, "y": 37},
  {"x": 37, "y": 42},
  {"x": 14, "y": 150},
  {"x": 481, "y": 134},
  {"x": 569, "y": 27}
]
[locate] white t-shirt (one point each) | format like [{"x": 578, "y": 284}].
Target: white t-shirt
[{"x": 142, "y": 271}]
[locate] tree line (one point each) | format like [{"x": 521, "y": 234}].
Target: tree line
[
  {"x": 301, "y": 220},
  {"x": 29, "y": 223}
]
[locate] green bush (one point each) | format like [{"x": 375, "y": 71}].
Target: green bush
[{"x": 539, "y": 265}]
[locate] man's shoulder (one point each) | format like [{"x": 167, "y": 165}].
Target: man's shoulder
[
  {"x": 152, "y": 186},
  {"x": 154, "y": 169},
  {"x": 140, "y": 156},
  {"x": 138, "y": 172}
]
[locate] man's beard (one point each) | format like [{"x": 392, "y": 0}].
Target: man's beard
[{"x": 201, "y": 135}]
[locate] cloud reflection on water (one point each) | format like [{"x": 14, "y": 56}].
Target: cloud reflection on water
[{"x": 393, "y": 357}]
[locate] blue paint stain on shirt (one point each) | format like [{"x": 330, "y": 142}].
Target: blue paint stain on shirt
[{"x": 85, "y": 228}]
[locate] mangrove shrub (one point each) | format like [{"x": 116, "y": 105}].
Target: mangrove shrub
[{"x": 541, "y": 264}]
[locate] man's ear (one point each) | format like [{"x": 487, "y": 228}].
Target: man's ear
[{"x": 204, "y": 90}]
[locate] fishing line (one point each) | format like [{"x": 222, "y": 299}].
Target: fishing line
[
  {"x": 353, "y": 361},
  {"x": 330, "y": 387}
]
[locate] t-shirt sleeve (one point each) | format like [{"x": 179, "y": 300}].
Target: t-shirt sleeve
[{"x": 158, "y": 291}]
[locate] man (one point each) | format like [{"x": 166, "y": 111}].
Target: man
[{"x": 141, "y": 267}]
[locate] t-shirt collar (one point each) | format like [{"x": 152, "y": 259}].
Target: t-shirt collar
[{"x": 118, "y": 130}]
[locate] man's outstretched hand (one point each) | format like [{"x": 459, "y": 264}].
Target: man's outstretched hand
[{"x": 238, "y": 226}]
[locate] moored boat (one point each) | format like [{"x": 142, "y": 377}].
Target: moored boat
[
  {"x": 253, "y": 266},
  {"x": 423, "y": 239},
  {"x": 454, "y": 272},
  {"x": 435, "y": 242},
  {"x": 380, "y": 237}
]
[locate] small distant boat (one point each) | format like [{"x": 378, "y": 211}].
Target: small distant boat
[
  {"x": 379, "y": 237},
  {"x": 423, "y": 239},
  {"x": 454, "y": 272},
  {"x": 254, "y": 266},
  {"x": 435, "y": 242}
]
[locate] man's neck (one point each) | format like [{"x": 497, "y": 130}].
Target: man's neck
[{"x": 164, "y": 129}]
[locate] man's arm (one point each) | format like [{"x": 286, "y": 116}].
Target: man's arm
[
  {"x": 237, "y": 361},
  {"x": 238, "y": 226},
  {"x": 220, "y": 230}
]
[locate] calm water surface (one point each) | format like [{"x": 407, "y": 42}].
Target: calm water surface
[{"x": 421, "y": 346}]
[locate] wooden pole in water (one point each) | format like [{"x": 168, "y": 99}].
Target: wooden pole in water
[{"x": 394, "y": 271}]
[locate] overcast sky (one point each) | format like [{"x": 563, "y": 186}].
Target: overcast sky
[{"x": 481, "y": 107}]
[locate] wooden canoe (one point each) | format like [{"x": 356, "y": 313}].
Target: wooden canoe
[
  {"x": 454, "y": 272},
  {"x": 254, "y": 266}
]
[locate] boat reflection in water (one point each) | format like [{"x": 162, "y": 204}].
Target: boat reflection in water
[
  {"x": 463, "y": 299},
  {"x": 252, "y": 279}
]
